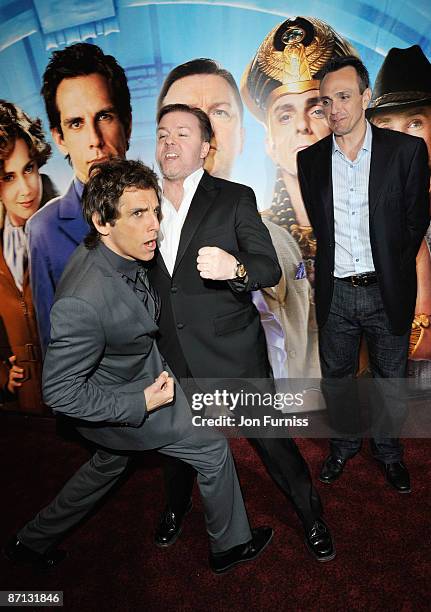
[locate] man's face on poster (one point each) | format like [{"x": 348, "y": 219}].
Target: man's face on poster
[
  {"x": 294, "y": 122},
  {"x": 214, "y": 95},
  {"x": 91, "y": 130},
  {"x": 415, "y": 121}
]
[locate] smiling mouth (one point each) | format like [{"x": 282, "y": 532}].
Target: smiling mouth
[
  {"x": 27, "y": 204},
  {"x": 170, "y": 156}
]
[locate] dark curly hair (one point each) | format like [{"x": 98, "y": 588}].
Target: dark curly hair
[
  {"x": 83, "y": 59},
  {"x": 106, "y": 185},
  {"x": 16, "y": 124}
]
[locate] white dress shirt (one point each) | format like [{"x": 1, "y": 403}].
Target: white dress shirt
[
  {"x": 274, "y": 335},
  {"x": 173, "y": 220},
  {"x": 351, "y": 210}
]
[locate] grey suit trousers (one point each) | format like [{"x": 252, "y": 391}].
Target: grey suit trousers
[{"x": 225, "y": 514}]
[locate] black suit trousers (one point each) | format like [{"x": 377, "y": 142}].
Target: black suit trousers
[{"x": 281, "y": 457}]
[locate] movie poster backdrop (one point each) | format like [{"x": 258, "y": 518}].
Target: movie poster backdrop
[{"x": 272, "y": 49}]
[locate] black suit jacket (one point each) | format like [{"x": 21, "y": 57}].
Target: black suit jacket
[
  {"x": 214, "y": 325},
  {"x": 102, "y": 356},
  {"x": 399, "y": 217}
]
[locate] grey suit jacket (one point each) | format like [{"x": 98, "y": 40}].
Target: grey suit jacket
[{"x": 101, "y": 357}]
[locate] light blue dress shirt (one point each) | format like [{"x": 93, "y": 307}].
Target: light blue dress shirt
[{"x": 351, "y": 211}]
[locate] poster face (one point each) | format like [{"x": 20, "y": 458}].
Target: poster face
[{"x": 257, "y": 136}]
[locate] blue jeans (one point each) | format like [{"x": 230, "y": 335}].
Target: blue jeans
[{"x": 357, "y": 311}]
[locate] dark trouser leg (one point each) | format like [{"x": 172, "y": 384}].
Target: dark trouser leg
[
  {"x": 288, "y": 468},
  {"x": 78, "y": 496},
  {"x": 388, "y": 355},
  {"x": 339, "y": 341},
  {"x": 225, "y": 514},
  {"x": 179, "y": 481},
  {"x": 284, "y": 463}
]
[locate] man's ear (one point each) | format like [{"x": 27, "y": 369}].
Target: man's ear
[
  {"x": 58, "y": 139},
  {"x": 103, "y": 229},
  {"x": 366, "y": 97},
  {"x": 205, "y": 149}
]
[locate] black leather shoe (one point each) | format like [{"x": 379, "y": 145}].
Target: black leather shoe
[
  {"x": 319, "y": 541},
  {"x": 332, "y": 469},
  {"x": 170, "y": 526},
  {"x": 221, "y": 562},
  {"x": 20, "y": 554},
  {"x": 398, "y": 476}
]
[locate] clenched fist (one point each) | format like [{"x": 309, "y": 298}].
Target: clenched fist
[
  {"x": 216, "y": 264},
  {"x": 160, "y": 393}
]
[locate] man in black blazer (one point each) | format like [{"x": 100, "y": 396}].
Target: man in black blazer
[
  {"x": 103, "y": 368},
  {"x": 213, "y": 251},
  {"x": 366, "y": 193}
]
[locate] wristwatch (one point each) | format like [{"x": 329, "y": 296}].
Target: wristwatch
[{"x": 240, "y": 271}]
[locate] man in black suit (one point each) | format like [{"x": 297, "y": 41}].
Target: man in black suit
[
  {"x": 213, "y": 251},
  {"x": 366, "y": 193},
  {"x": 103, "y": 368}
]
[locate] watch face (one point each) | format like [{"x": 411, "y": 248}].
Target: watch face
[{"x": 241, "y": 271}]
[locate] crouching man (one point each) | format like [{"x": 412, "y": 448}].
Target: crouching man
[{"x": 103, "y": 369}]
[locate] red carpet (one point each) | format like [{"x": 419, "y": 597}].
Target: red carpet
[{"x": 383, "y": 538}]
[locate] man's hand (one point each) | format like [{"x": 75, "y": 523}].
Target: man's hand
[
  {"x": 216, "y": 264},
  {"x": 160, "y": 393},
  {"x": 15, "y": 374}
]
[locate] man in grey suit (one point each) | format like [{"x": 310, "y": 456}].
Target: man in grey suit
[{"x": 103, "y": 369}]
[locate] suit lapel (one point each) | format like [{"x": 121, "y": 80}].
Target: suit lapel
[
  {"x": 324, "y": 168},
  {"x": 74, "y": 229},
  {"x": 201, "y": 203},
  {"x": 161, "y": 263},
  {"x": 124, "y": 293},
  {"x": 71, "y": 218},
  {"x": 380, "y": 160},
  {"x": 4, "y": 270}
]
